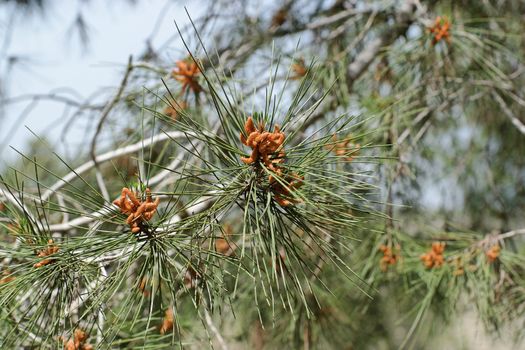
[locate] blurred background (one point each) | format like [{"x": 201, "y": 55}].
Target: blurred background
[{"x": 54, "y": 55}]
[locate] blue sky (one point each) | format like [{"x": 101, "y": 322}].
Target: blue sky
[{"x": 54, "y": 59}]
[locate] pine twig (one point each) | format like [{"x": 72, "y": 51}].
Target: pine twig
[
  {"x": 214, "y": 330},
  {"x": 515, "y": 121}
]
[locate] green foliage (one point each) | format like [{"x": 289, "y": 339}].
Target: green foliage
[{"x": 385, "y": 207}]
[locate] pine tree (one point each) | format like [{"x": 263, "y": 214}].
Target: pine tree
[{"x": 315, "y": 175}]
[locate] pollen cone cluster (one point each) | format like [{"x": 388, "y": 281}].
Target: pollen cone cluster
[
  {"x": 279, "y": 17},
  {"x": 440, "y": 30},
  {"x": 192, "y": 278},
  {"x": 283, "y": 191},
  {"x": 459, "y": 268},
  {"x": 434, "y": 258},
  {"x": 299, "y": 69},
  {"x": 167, "y": 322},
  {"x": 267, "y": 148},
  {"x": 143, "y": 286},
  {"x": 187, "y": 72},
  {"x": 493, "y": 253},
  {"x": 50, "y": 250},
  {"x": 175, "y": 108},
  {"x": 224, "y": 245},
  {"x": 138, "y": 212},
  {"x": 344, "y": 148},
  {"x": 264, "y": 144},
  {"x": 78, "y": 342},
  {"x": 7, "y": 277},
  {"x": 389, "y": 257}
]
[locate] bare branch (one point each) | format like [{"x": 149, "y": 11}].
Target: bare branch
[{"x": 515, "y": 121}]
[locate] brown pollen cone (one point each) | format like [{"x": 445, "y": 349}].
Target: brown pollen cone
[
  {"x": 7, "y": 277},
  {"x": 167, "y": 321},
  {"x": 143, "y": 286},
  {"x": 50, "y": 250},
  {"x": 344, "y": 148},
  {"x": 78, "y": 342},
  {"x": 434, "y": 258},
  {"x": 186, "y": 72},
  {"x": 389, "y": 257},
  {"x": 279, "y": 17},
  {"x": 299, "y": 69},
  {"x": 223, "y": 245},
  {"x": 264, "y": 144},
  {"x": 267, "y": 148},
  {"x": 175, "y": 108},
  {"x": 283, "y": 192},
  {"x": 138, "y": 212},
  {"x": 440, "y": 30},
  {"x": 493, "y": 253}
]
